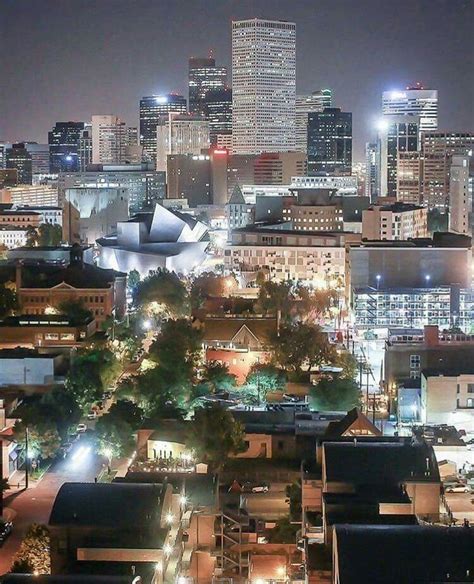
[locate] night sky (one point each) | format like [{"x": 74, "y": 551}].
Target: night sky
[{"x": 67, "y": 59}]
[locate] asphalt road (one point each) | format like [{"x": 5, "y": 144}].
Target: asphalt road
[
  {"x": 34, "y": 505},
  {"x": 461, "y": 505}
]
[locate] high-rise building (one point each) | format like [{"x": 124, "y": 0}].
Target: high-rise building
[
  {"x": 19, "y": 157},
  {"x": 414, "y": 101},
  {"x": 85, "y": 148},
  {"x": 3, "y": 153},
  {"x": 219, "y": 112},
  {"x": 152, "y": 108},
  {"x": 372, "y": 170},
  {"x": 330, "y": 142},
  {"x": 263, "y": 86},
  {"x": 409, "y": 177},
  {"x": 63, "y": 142},
  {"x": 109, "y": 140},
  {"x": 279, "y": 168},
  {"x": 180, "y": 134},
  {"x": 437, "y": 150},
  {"x": 460, "y": 196},
  {"x": 39, "y": 157},
  {"x": 399, "y": 134},
  {"x": 307, "y": 104},
  {"x": 204, "y": 77}
]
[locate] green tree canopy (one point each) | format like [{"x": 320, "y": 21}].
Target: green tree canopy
[
  {"x": 274, "y": 297},
  {"x": 133, "y": 280},
  {"x": 264, "y": 378},
  {"x": 164, "y": 288},
  {"x": 213, "y": 434},
  {"x": 114, "y": 435},
  {"x": 336, "y": 393},
  {"x": 300, "y": 345},
  {"x": 8, "y": 301},
  {"x": 33, "y": 556},
  {"x": 31, "y": 236},
  {"x": 218, "y": 377},
  {"x": 75, "y": 310},
  {"x": 49, "y": 234},
  {"x": 209, "y": 284}
]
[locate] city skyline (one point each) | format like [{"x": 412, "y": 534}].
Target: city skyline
[{"x": 373, "y": 38}]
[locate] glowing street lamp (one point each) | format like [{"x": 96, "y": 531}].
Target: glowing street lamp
[
  {"x": 378, "y": 277},
  {"x": 169, "y": 518}
]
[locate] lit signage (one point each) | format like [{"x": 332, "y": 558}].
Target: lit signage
[
  {"x": 398, "y": 95},
  {"x": 220, "y": 152},
  {"x": 161, "y": 99}
]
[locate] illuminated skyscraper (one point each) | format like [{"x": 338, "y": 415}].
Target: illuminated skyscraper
[
  {"x": 109, "y": 140},
  {"x": 203, "y": 78},
  {"x": 219, "y": 112},
  {"x": 180, "y": 134},
  {"x": 330, "y": 142},
  {"x": 414, "y": 101},
  {"x": 151, "y": 109},
  {"x": 263, "y": 86},
  {"x": 63, "y": 142},
  {"x": 306, "y": 104}
]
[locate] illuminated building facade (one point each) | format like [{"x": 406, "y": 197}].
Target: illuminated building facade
[
  {"x": 219, "y": 113},
  {"x": 63, "y": 142},
  {"x": 263, "y": 86},
  {"x": 152, "y": 108},
  {"x": 203, "y": 78},
  {"x": 180, "y": 134},
  {"x": 306, "y": 104},
  {"x": 414, "y": 101},
  {"x": 330, "y": 142}
]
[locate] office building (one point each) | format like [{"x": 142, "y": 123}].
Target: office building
[
  {"x": 20, "y": 158},
  {"x": 63, "y": 142},
  {"x": 3, "y": 154},
  {"x": 447, "y": 396},
  {"x": 8, "y": 177},
  {"x": 239, "y": 213},
  {"x": 84, "y": 149},
  {"x": 398, "y": 135},
  {"x": 13, "y": 236},
  {"x": 145, "y": 186},
  {"x": 307, "y": 104},
  {"x": 109, "y": 140},
  {"x": 345, "y": 185},
  {"x": 372, "y": 170},
  {"x": 414, "y": 101},
  {"x": 263, "y": 86},
  {"x": 437, "y": 150},
  {"x": 39, "y": 157},
  {"x": 330, "y": 142},
  {"x": 152, "y": 108},
  {"x": 189, "y": 177},
  {"x": 272, "y": 168},
  {"x": 34, "y": 195},
  {"x": 399, "y": 221},
  {"x": 92, "y": 213},
  {"x": 219, "y": 113},
  {"x": 180, "y": 134},
  {"x": 460, "y": 195},
  {"x": 204, "y": 77},
  {"x": 409, "y": 177}
]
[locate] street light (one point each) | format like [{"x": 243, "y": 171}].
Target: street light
[
  {"x": 378, "y": 277},
  {"x": 427, "y": 279},
  {"x": 169, "y": 518}
]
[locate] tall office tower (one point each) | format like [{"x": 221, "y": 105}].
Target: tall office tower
[
  {"x": 414, "y": 101},
  {"x": 151, "y": 109},
  {"x": 204, "y": 77},
  {"x": 109, "y": 140},
  {"x": 85, "y": 147},
  {"x": 219, "y": 112},
  {"x": 437, "y": 150},
  {"x": 18, "y": 157},
  {"x": 460, "y": 196},
  {"x": 399, "y": 134},
  {"x": 307, "y": 104},
  {"x": 180, "y": 134},
  {"x": 63, "y": 142},
  {"x": 263, "y": 86},
  {"x": 409, "y": 176},
  {"x": 3, "y": 153},
  {"x": 330, "y": 142},
  {"x": 372, "y": 170},
  {"x": 39, "y": 157}
]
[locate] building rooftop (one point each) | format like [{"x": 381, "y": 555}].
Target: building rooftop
[
  {"x": 440, "y": 239},
  {"x": 450, "y": 372},
  {"x": 51, "y": 320},
  {"x": 401, "y": 554},
  {"x": 225, "y": 329},
  {"x": 66, "y": 579},
  {"x": 24, "y": 353},
  {"x": 107, "y": 505},
  {"x": 364, "y": 462},
  {"x": 354, "y": 418}
]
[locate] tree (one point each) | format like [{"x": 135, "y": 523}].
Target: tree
[
  {"x": 299, "y": 345},
  {"x": 164, "y": 290},
  {"x": 4, "y": 486},
  {"x": 274, "y": 297},
  {"x": 75, "y": 310},
  {"x": 336, "y": 393},
  {"x": 284, "y": 531},
  {"x": 84, "y": 381},
  {"x": 209, "y": 284},
  {"x": 314, "y": 305},
  {"x": 8, "y": 301},
  {"x": 218, "y": 377},
  {"x": 114, "y": 435},
  {"x": 214, "y": 434},
  {"x": 348, "y": 363},
  {"x": 133, "y": 280},
  {"x": 293, "y": 497},
  {"x": 264, "y": 378},
  {"x": 33, "y": 556},
  {"x": 127, "y": 411},
  {"x": 49, "y": 234},
  {"x": 31, "y": 236}
]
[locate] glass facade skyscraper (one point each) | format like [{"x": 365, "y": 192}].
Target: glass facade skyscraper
[
  {"x": 63, "y": 142},
  {"x": 204, "y": 77},
  {"x": 152, "y": 108},
  {"x": 263, "y": 86},
  {"x": 330, "y": 142},
  {"x": 306, "y": 104},
  {"x": 414, "y": 101},
  {"x": 219, "y": 112}
]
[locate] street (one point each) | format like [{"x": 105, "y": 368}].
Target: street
[
  {"x": 34, "y": 505},
  {"x": 461, "y": 505}
]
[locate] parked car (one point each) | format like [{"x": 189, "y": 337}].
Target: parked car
[
  {"x": 81, "y": 428},
  {"x": 457, "y": 488},
  {"x": 255, "y": 487},
  {"x": 5, "y": 530},
  {"x": 291, "y": 397}
]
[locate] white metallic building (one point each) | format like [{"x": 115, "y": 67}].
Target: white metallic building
[
  {"x": 180, "y": 134},
  {"x": 263, "y": 86},
  {"x": 414, "y": 101}
]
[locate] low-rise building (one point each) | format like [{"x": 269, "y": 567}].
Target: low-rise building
[
  {"x": 447, "y": 396},
  {"x": 12, "y": 236},
  {"x": 22, "y": 367},
  {"x": 60, "y": 254},
  {"x": 34, "y": 195},
  {"x": 399, "y": 221},
  {"x": 45, "y": 331},
  {"x": 11, "y": 216}
]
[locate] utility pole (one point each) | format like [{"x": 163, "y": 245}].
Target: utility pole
[
  {"x": 367, "y": 371},
  {"x": 26, "y": 457}
]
